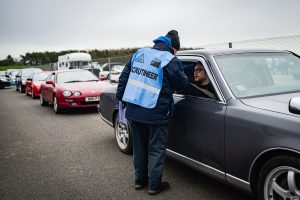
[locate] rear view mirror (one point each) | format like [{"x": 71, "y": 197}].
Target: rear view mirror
[
  {"x": 49, "y": 82},
  {"x": 294, "y": 105}
]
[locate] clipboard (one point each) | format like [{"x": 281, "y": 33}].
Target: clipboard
[{"x": 122, "y": 112}]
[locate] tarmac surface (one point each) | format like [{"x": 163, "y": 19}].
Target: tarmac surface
[{"x": 74, "y": 156}]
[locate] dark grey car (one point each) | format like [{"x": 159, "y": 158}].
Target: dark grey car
[
  {"x": 249, "y": 136},
  {"x": 22, "y": 76}
]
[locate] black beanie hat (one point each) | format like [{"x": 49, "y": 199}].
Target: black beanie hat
[{"x": 173, "y": 34}]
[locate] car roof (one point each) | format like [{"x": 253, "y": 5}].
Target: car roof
[{"x": 226, "y": 51}]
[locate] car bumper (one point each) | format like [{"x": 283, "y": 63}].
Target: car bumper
[
  {"x": 4, "y": 84},
  {"x": 77, "y": 103}
]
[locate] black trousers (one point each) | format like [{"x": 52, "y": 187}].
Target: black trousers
[{"x": 149, "y": 152}]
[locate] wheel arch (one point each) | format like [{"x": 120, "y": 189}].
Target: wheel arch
[
  {"x": 263, "y": 157},
  {"x": 114, "y": 116}
]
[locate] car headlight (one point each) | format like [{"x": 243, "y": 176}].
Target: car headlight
[
  {"x": 67, "y": 93},
  {"x": 77, "y": 93}
]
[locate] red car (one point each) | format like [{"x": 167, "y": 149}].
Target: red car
[
  {"x": 71, "y": 89},
  {"x": 33, "y": 83}
]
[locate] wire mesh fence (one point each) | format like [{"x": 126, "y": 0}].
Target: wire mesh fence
[
  {"x": 121, "y": 59},
  {"x": 290, "y": 43}
]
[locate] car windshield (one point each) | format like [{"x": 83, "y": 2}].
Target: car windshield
[
  {"x": 75, "y": 76},
  {"x": 117, "y": 68},
  {"x": 14, "y": 73},
  {"x": 260, "y": 74},
  {"x": 40, "y": 76},
  {"x": 28, "y": 72}
]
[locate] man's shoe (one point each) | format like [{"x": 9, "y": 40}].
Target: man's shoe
[
  {"x": 163, "y": 186},
  {"x": 139, "y": 186}
]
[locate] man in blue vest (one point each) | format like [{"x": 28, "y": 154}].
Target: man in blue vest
[{"x": 146, "y": 86}]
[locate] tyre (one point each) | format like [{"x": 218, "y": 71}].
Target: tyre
[
  {"x": 56, "y": 109},
  {"x": 279, "y": 179},
  {"x": 26, "y": 92},
  {"x": 32, "y": 93},
  {"x": 123, "y": 136},
  {"x": 42, "y": 101},
  {"x": 20, "y": 89}
]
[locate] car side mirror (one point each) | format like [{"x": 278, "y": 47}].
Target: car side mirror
[
  {"x": 294, "y": 105},
  {"x": 50, "y": 82},
  {"x": 29, "y": 79}
]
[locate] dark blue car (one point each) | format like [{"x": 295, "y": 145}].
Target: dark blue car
[{"x": 249, "y": 135}]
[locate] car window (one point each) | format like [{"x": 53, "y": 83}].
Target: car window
[
  {"x": 40, "y": 76},
  {"x": 51, "y": 77},
  {"x": 75, "y": 76},
  {"x": 259, "y": 74},
  {"x": 195, "y": 88}
]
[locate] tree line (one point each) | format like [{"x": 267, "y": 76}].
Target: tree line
[{"x": 41, "y": 58}]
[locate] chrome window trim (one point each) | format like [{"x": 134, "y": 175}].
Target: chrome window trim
[{"x": 222, "y": 77}]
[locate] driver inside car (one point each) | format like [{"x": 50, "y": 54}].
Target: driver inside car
[{"x": 201, "y": 85}]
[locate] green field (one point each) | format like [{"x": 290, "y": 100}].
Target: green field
[{"x": 3, "y": 68}]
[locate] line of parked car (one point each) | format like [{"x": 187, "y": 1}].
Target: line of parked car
[{"x": 63, "y": 89}]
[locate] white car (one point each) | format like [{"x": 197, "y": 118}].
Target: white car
[
  {"x": 115, "y": 72},
  {"x": 105, "y": 69}
]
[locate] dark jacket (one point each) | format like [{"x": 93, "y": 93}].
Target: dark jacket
[{"x": 173, "y": 79}]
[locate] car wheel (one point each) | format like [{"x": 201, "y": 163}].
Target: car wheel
[
  {"x": 123, "y": 136},
  {"x": 42, "y": 101},
  {"x": 280, "y": 179},
  {"x": 56, "y": 109},
  {"x": 32, "y": 93}
]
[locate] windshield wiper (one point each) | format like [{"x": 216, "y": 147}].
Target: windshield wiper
[
  {"x": 73, "y": 81},
  {"x": 91, "y": 80}
]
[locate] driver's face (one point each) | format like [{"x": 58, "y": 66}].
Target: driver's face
[{"x": 199, "y": 73}]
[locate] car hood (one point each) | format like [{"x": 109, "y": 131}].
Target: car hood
[
  {"x": 84, "y": 86},
  {"x": 275, "y": 103}
]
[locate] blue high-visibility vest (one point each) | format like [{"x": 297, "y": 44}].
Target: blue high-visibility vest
[{"x": 146, "y": 77}]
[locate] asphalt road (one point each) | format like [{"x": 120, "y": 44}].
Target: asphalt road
[{"x": 74, "y": 156}]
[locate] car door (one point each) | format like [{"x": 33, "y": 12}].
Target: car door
[
  {"x": 196, "y": 131},
  {"x": 49, "y": 89},
  {"x": 29, "y": 83}
]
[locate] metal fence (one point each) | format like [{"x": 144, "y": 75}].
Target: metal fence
[{"x": 290, "y": 43}]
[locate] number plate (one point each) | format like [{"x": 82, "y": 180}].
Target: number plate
[{"x": 88, "y": 99}]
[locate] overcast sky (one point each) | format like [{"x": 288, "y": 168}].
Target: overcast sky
[{"x": 56, "y": 25}]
